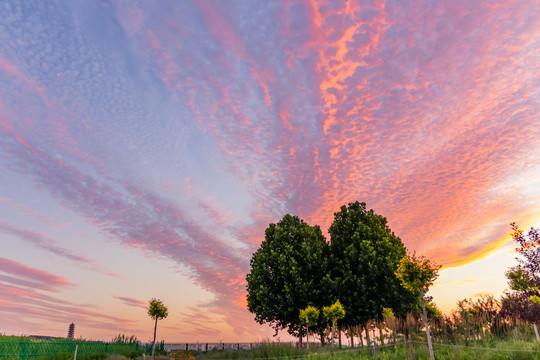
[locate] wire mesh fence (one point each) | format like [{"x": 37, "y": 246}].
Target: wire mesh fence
[
  {"x": 33, "y": 348},
  {"x": 209, "y": 346}
]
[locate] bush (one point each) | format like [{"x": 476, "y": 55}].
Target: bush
[
  {"x": 159, "y": 350},
  {"x": 132, "y": 354}
]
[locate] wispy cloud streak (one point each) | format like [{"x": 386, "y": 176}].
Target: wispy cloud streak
[
  {"x": 133, "y": 302},
  {"x": 28, "y": 273},
  {"x": 20, "y": 297},
  {"x": 48, "y": 245}
]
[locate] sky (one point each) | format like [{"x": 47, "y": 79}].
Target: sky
[{"x": 146, "y": 146}]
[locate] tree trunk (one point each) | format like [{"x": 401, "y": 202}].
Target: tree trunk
[
  {"x": 333, "y": 328},
  {"x": 321, "y": 334},
  {"x": 307, "y": 336},
  {"x": 368, "y": 340},
  {"x": 411, "y": 355},
  {"x": 352, "y": 336},
  {"x": 339, "y": 337},
  {"x": 154, "y": 343},
  {"x": 536, "y": 332},
  {"x": 381, "y": 333},
  {"x": 426, "y": 324}
]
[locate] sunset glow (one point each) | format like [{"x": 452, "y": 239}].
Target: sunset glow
[{"x": 146, "y": 146}]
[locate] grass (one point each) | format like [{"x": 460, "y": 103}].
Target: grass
[
  {"x": 518, "y": 350},
  {"x": 482, "y": 350}
]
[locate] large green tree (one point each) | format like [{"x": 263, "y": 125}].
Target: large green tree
[
  {"x": 288, "y": 272},
  {"x": 364, "y": 257}
]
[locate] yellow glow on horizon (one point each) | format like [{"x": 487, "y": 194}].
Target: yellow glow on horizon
[{"x": 485, "y": 275}]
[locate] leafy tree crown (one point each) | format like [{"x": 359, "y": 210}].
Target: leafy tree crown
[
  {"x": 334, "y": 311},
  {"x": 310, "y": 315},
  {"x": 157, "y": 310},
  {"x": 417, "y": 272},
  {"x": 529, "y": 249},
  {"x": 387, "y": 313}
]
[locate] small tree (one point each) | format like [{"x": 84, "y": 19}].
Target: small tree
[
  {"x": 524, "y": 279},
  {"x": 389, "y": 320},
  {"x": 309, "y": 315},
  {"x": 157, "y": 311},
  {"x": 334, "y": 312},
  {"x": 418, "y": 274}
]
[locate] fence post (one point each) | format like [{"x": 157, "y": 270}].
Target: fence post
[
  {"x": 75, "y": 353},
  {"x": 411, "y": 356},
  {"x": 206, "y": 347},
  {"x": 374, "y": 350},
  {"x": 238, "y": 347},
  {"x": 187, "y": 347}
]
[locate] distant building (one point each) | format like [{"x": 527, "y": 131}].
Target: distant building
[{"x": 71, "y": 331}]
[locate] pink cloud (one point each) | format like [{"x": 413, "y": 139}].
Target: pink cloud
[
  {"x": 20, "y": 298},
  {"x": 20, "y": 270},
  {"x": 49, "y": 245},
  {"x": 130, "y": 16},
  {"x": 8, "y": 67},
  {"x": 221, "y": 29},
  {"x": 133, "y": 302},
  {"x": 32, "y": 302}
]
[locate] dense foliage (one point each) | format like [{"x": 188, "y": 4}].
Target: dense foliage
[
  {"x": 364, "y": 258},
  {"x": 295, "y": 267},
  {"x": 288, "y": 272}
]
